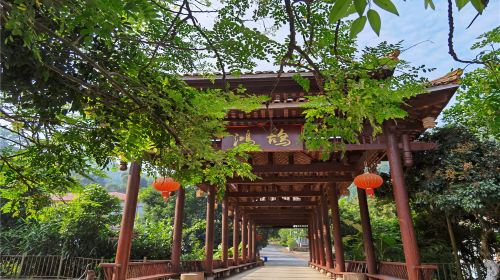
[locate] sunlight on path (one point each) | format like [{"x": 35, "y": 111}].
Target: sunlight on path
[{"x": 280, "y": 265}]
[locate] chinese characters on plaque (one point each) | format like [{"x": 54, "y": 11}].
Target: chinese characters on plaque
[
  {"x": 286, "y": 137},
  {"x": 279, "y": 139}
]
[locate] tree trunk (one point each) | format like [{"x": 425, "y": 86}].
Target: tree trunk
[
  {"x": 454, "y": 249},
  {"x": 492, "y": 269}
]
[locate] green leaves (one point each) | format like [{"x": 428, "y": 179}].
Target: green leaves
[
  {"x": 303, "y": 82},
  {"x": 339, "y": 10},
  {"x": 478, "y": 5},
  {"x": 374, "y": 20},
  {"x": 357, "y": 26},
  {"x": 387, "y": 5},
  {"x": 360, "y": 6},
  {"x": 429, "y": 3},
  {"x": 461, "y": 3}
]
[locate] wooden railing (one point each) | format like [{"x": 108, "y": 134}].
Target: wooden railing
[
  {"x": 395, "y": 269},
  {"x": 147, "y": 268},
  {"x": 138, "y": 269},
  {"x": 217, "y": 264},
  {"x": 48, "y": 266},
  {"x": 356, "y": 266},
  {"x": 192, "y": 266},
  {"x": 427, "y": 271}
]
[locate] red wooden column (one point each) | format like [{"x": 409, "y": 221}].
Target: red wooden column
[
  {"x": 236, "y": 240},
  {"x": 209, "y": 234},
  {"x": 321, "y": 238},
  {"x": 127, "y": 224},
  {"x": 254, "y": 244},
  {"x": 179, "y": 216},
  {"x": 250, "y": 241},
  {"x": 367, "y": 232},
  {"x": 337, "y": 236},
  {"x": 225, "y": 231},
  {"x": 410, "y": 247},
  {"x": 317, "y": 257},
  {"x": 326, "y": 232},
  {"x": 244, "y": 237},
  {"x": 309, "y": 238}
]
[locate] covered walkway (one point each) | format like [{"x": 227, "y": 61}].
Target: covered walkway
[
  {"x": 280, "y": 265},
  {"x": 295, "y": 187}
]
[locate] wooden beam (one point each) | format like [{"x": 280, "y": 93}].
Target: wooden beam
[
  {"x": 277, "y": 204},
  {"x": 312, "y": 167},
  {"x": 281, "y": 223},
  {"x": 272, "y": 210},
  {"x": 414, "y": 146},
  {"x": 275, "y": 194},
  {"x": 293, "y": 180},
  {"x": 279, "y": 215}
]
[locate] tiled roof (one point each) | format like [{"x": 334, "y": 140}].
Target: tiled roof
[{"x": 452, "y": 77}]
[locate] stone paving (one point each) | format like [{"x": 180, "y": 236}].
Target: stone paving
[{"x": 280, "y": 265}]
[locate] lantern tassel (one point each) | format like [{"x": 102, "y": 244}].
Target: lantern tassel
[{"x": 370, "y": 192}]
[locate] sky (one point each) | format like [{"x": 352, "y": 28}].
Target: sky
[{"x": 415, "y": 24}]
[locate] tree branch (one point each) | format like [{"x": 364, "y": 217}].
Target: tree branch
[{"x": 451, "y": 27}]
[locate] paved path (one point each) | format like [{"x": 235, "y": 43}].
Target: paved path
[{"x": 280, "y": 265}]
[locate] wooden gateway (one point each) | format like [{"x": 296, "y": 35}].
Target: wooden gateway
[{"x": 296, "y": 187}]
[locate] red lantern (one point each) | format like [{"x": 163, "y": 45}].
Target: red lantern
[
  {"x": 165, "y": 195},
  {"x": 368, "y": 181},
  {"x": 165, "y": 186},
  {"x": 259, "y": 237}
]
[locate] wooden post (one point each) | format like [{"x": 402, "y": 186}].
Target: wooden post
[
  {"x": 321, "y": 238},
  {"x": 244, "y": 237},
  {"x": 127, "y": 224},
  {"x": 250, "y": 241},
  {"x": 59, "y": 269},
  {"x": 225, "y": 231},
  {"x": 337, "y": 235},
  {"x": 209, "y": 234},
  {"x": 254, "y": 242},
  {"x": 367, "y": 232},
  {"x": 309, "y": 238},
  {"x": 316, "y": 240},
  {"x": 20, "y": 270},
  {"x": 326, "y": 232},
  {"x": 410, "y": 247},
  {"x": 236, "y": 240},
  {"x": 178, "y": 221}
]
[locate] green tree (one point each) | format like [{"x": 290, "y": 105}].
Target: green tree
[
  {"x": 478, "y": 100},
  {"x": 83, "y": 227},
  {"x": 459, "y": 186}
]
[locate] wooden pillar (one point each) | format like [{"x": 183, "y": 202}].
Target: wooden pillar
[
  {"x": 367, "y": 232},
  {"x": 321, "y": 238},
  {"x": 250, "y": 241},
  {"x": 178, "y": 220},
  {"x": 209, "y": 234},
  {"x": 225, "y": 231},
  {"x": 337, "y": 236},
  {"x": 317, "y": 256},
  {"x": 127, "y": 224},
  {"x": 309, "y": 238},
  {"x": 254, "y": 241},
  {"x": 244, "y": 237},
  {"x": 326, "y": 232},
  {"x": 236, "y": 240},
  {"x": 408, "y": 236}
]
